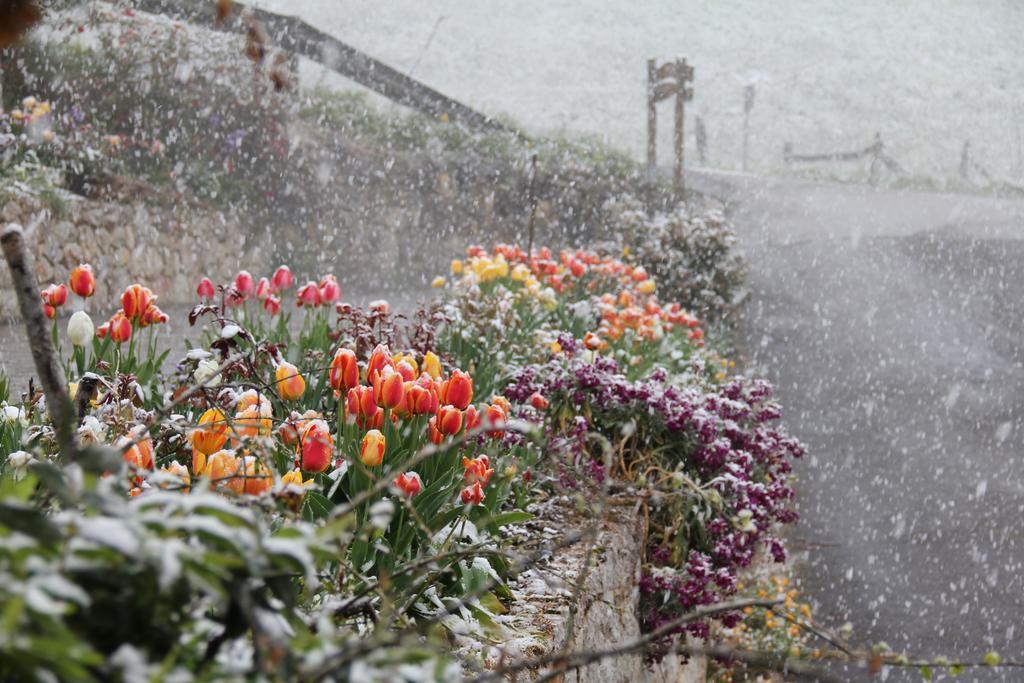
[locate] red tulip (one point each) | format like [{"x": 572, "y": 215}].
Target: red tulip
[
  {"x": 344, "y": 372},
  {"x": 472, "y": 418},
  {"x": 473, "y": 494},
  {"x": 282, "y": 278},
  {"x": 82, "y": 281},
  {"x": 55, "y": 295},
  {"x": 308, "y": 295},
  {"x": 436, "y": 437},
  {"x": 406, "y": 370},
  {"x": 449, "y": 420},
  {"x": 409, "y": 483},
  {"x": 206, "y": 290},
  {"x": 330, "y": 290},
  {"x": 420, "y": 401},
  {"x": 272, "y": 305},
  {"x": 538, "y": 401},
  {"x": 49, "y": 311},
  {"x": 316, "y": 446},
  {"x": 245, "y": 284},
  {"x": 120, "y": 328},
  {"x": 361, "y": 403},
  {"x": 457, "y": 390}
]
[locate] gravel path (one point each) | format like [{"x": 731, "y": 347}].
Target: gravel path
[{"x": 892, "y": 326}]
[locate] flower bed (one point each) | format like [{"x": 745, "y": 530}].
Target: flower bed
[{"x": 320, "y": 490}]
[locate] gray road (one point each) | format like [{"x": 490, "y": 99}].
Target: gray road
[{"x": 892, "y": 326}]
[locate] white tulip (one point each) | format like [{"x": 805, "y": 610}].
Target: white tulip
[{"x": 80, "y": 328}]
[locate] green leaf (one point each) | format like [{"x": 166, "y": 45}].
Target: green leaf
[
  {"x": 315, "y": 506},
  {"x": 956, "y": 670},
  {"x": 926, "y": 673},
  {"x": 513, "y": 517}
]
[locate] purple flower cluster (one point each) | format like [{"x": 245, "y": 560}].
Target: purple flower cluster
[{"x": 719, "y": 435}]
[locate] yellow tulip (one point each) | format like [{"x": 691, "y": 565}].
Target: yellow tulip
[{"x": 432, "y": 364}]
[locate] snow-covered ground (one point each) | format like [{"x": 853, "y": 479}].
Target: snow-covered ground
[{"x": 927, "y": 74}]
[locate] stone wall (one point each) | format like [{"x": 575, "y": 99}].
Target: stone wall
[{"x": 165, "y": 246}]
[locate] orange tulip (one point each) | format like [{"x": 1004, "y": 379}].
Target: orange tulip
[
  {"x": 212, "y": 432},
  {"x": 293, "y": 426},
  {"x": 181, "y": 472},
  {"x": 198, "y": 462},
  {"x": 449, "y": 420},
  {"x": 494, "y": 416},
  {"x": 502, "y": 403},
  {"x": 221, "y": 468},
  {"x": 388, "y": 388},
  {"x": 253, "y": 415},
  {"x": 82, "y": 281},
  {"x": 344, "y": 372},
  {"x": 290, "y": 383},
  {"x": 457, "y": 390},
  {"x": 316, "y": 446},
  {"x": 371, "y": 450},
  {"x": 419, "y": 400},
  {"x": 477, "y": 470},
  {"x": 139, "y": 454},
  {"x": 380, "y": 357},
  {"x": 135, "y": 300}
]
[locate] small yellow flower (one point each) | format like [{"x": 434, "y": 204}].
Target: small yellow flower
[
  {"x": 456, "y": 267},
  {"x": 556, "y": 347},
  {"x": 438, "y": 282},
  {"x": 294, "y": 478},
  {"x": 646, "y": 287}
]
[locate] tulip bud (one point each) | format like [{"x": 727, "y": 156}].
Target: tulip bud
[
  {"x": 330, "y": 290},
  {"x": 409, "y": 483},
  {"x": 418, "y": 399},
  {"x": 538, "y": 401},
  {"x": 472, "y": 418},
  {"x": 255, "y": 479},
  {"x": 449, "y": 420},
  {"x": 316, "y": 446},
  {"x": 406, "y": 370},
  {"x": 82, "y": 281},
  {"x": 436, "y": 437},
  {"x": 371, "y": 450},
  {"x": 438, "y": 282},
  {"x": 282, "y": 279},
  {"x": 388, "y": 388},
  {"x": 263, "y": 289},
  {"x": 135, "y": 300},
  {"x": 211, "y": 433},
  {"x": 646, "y": 287},
  {"x": 49, "y": 311},
  {"x": 472, "y": 494},
  {"x": 308, "y": 295},
  {"x": 502, "y": 403},
  {"x": 245, "y": 284},
  {"x": 344, "y": 372},
  {"x": 205, "y": 290},
  {"x": 120, "y": 328},
  {"x": 495, "y": 417},
  {"x": 290, "y": 383},
  {"x": 222, "y": 468},
  {"x": 432, "y": 364},
  {"x": 80, "y": 328},
  {"x": 272, "y": 305},
  {"x": 457, "y": 390}
]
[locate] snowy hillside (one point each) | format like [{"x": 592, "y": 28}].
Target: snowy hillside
[{"x": 927, "y": 74}]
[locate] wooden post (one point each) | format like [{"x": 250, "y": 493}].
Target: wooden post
[
  {"x": 58, "y": 405},
  {"x": 748, "y": 105},
  {"x": 677, "y": 171},
  {"x": 652, "y": 122}
]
